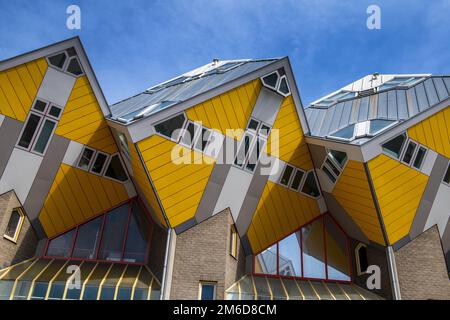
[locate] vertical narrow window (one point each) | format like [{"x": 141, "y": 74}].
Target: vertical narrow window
[
  {"x": 313, "y": 250},
  {"x": 255, "y": 153},
  {"x": 447, "y": 175},
  {"x": 286, "y": 176},
  {"x": 361, "y": 259},
  {"x": 289, "y": 256},
  {"x": 394, "y": 146},
  {"x": 189, "y": 133},
  {"x": 244, "y": 149},
  {"x": 420, "y": 156},
  {"x": 14, "y": 225},
  {"x": 124, "y": 145},
  {"x": 85, "y": 159},
  {"x": 138, "y": 236},
  {"x": 29, "y": 130},
  {"x": 267, "y": 261},
  {"x": 99, "y": 163},
  {"x": 202, "y": 140},
  {"x": 233, "y": 241},
  {"x": 207, "y": 290},
  {"x": 338, "y": 267},
  {"x": 407, "y": 157},
  {"x": 44, "y": 136},
  {"x": 88, "y": 239},
  {"x": 297, "y": 179}
]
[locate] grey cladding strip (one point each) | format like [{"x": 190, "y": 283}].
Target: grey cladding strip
[
  {"x": 9, "y": 134},
  {"x": 185, "y": 225}
]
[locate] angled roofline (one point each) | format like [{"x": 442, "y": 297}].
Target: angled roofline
[
  {"x": 142, "y": 128},
  {"x": 54, "y": 48}
]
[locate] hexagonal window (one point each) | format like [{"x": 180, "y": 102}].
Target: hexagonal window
[
  {"x": 271, "y": 80},
  {"x": 58, "y": 60},
  {"x": 74, "y": 67},
  {"x": 283, "y": 87}
]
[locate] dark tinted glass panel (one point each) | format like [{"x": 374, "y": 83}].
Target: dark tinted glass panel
[
  {"x": 207, "y": 291},
  {"x": 13, "y": 223},
  {"x": 332, "y": 166},
  {"x": 266, "y": 261},
  {"x": 73, "y": 294},
  {"x": 71, "y": 52},
  {"x": 254, "y": 155},
  {"x": 264, "y": 130},
  {"x": 115, "y": 169},
  {"x": 88, "y": 239},
  {"x": 61, "y": 246},
  {"x": 85, "y": 158},
  {"x": 39, "y": 291},
  {"x": 188, "y": 134},
  {"x": 107, "y": 293},
  {"x": 419, "y": 157},
  {"x": 253, "y": 124},
  {"x": 140, "y": 294},
  {"x": 286, "y": 175},
  {"x": 74, "y": 67},
  {"x": 40, "y": 105},
  {"x": 90, "y": 293},
  {"x": 338, "y": 156},
  {"x": 447, "y": 175},
  {"x": 297, "y": 179},
  {"x": 310, "y": 185},
  {"x": 58, "y": 60},
  {"x": 243, "y": 150},
  {"x": 56, "y": 291},
  {"x": 169, "y": 127},
  {"x": 202, "y": 141},
  {"x": 362, "y": 255},
  {"x": 113, "y": 234},
  {"x": 99, "y": 163},
  {"x": 313, "y": 250},
  {"x": 124, "y": 293},
  {"x": 284, "y": 86},
  {"x": 5, "y": 289},
  {"x": 378, "y": 124},
  {"x": 394, "y": 146},
  {"x": 289, "y": 263},
  {"x": 271, "y": 79},
  {"x": 337, "y": 252},
  {"x": 30, "y": 129},
  {"x": 409, "y": 152},
  {"x": 44, "y": 136},
  {"x": 137, "y": 236},
  {"x": 55, "y": 111}
]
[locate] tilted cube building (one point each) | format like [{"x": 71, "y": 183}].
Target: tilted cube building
[{"x": 219, "y": 184}]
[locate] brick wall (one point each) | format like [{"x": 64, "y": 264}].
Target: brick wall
[
  {"x": 202, "y": 253},
  {"x": 10, "y": 252},
  {"x": 421, "y": 268}
]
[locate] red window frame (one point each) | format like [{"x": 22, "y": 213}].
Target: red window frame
[
  {"x": 103, "y": 214},
  {"x": 320, "y": 217}
]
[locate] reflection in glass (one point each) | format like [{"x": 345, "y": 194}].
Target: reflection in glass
[
  {"x": 87, "y": 239},
  {"x": 337, "y": 253},
  {"x": 60, "y": 246},
  {"x": 266, "y": 261},
  {"x": 113, "y": 234},
  {"x": 290, "y": 264},
  {"x": 137, "y": 236},
  {"x": 56, "y": 291},
  {"x": 39, "y": 291},
  {"x": 313, "y": 250}
]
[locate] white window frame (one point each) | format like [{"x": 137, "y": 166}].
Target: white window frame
[
  {"x": 415, "y": 155},
  {"x": 301, "y": 180},
  {"x": 200, "y": 288},
  {"x": 250, "y": 148},
  {"x": 287, "y": 83},
  {"x": 290, "y": 177},
  {"x": 337, "y": 166},
  {"x": 317, "y": 185},
  {"x": 41, "y": 127},
  {"x": 94, "y": 158},
  {"x": 405, "y": 147},
  {"x": 402, "y": 149},
  {"x": 18, "y": 227},
  {"x": 168, "y": 118},
  {"x": 91, "y": 161},
  {"x": 123, "y": 166},
  {"x": 358, "y": 262},
  {"x": 256, "y": 131},
  {"x": 199, "y": 137},
  {"x": 268, "y": 85},
  {"x": 197, "y": 132},
  {"x": 79, "y": 63}
]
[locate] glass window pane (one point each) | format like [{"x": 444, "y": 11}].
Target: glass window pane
[
  {"x": 58, "y": 60},
  {"x": 44, "y": 136},
  {"x": 99, "y": 163},
  {"x": 113, "y": 234},
  {"x": 39, "y": 291},
  {"x": 189, "y": 134},
  {"x": 87, "y": 239},
  {"x": 253, "y": 124},
  {"x": 13, "y": 224},
  {"x": 115, "y": 169},
  {"x": 310, "y": 185},
  {"x": 107, "y": 293},
  {"x": 297, "y": 179},
  {"x": 55, "y": 111},
  {"x": 22, "y": 290},
  {"x": 60, "y": 246},
  {"x": 409, "y": 152},
  {"x": 337, "y": 252},
  {"x": 244, "y": 148},
  {"x": 419, "y": 158},
  {"x": 171, "y": 128},
  {"x": 202, "y": 140},
  {"x": 378, "y": 124},
  {"x": 394, "y": 147},
  {"x": 286, "y": 175},
  {"x": 332, "y": 166},
  {"x": 137, "y": 236},
  {"x": 284, "y": 88},
  {"x": 73, "y": 293},
  {"x": 39, "y": 105},
  {"x": 338, "y": 156},
  {"x": 345, "y": 133},
  {"x": 74, "y": 67},
  {"x": 271, "y": 79},
  {"x": 140, "y": 294},
  {"x": 56, "y": 291},
  {"x": 254, "y": 155},
  {"x": 85, "y": 159},
  {"x": 124, "y": 293},
  {"x": 5, "y": 289},
  {"x": 447, "y": 175},
  {"x": 90, "y": 293},
  {"x": 266, "y": 261},
  {"x": 313, "y": 250},
  {"x": 30, "y": 128},
  {"x": 208, "y": 290},
  {"x": 290, "y": 264},
  {"x": 329, "y": 174}
]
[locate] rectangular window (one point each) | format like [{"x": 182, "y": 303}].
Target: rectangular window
[
  {"x": 253, "y": 124},
  {"x": 286, "y": 177},
  {"x": 202, "y": 140},
  {"x": 189, "y": 134},
  {"x": 207, "y": 290},
  {"x": 14, "y": 225},
  {"x": 29, "y": 131},
  {"x": 409, "y": 152},
  {"x": 233, "y": 241},
  {"x": 171, "y": 128},
  {"x": 297, "y": 179},
  {"x": 86, "y": 157},
  {"x": 244, "y": 149},
  {"x": 55, "y": 111},
  {"x": 420, "y": 155},
  {"x": 99, "y": 163},
  {"x": 253, "y": 158},
  {"x": 44, "y": 136}
]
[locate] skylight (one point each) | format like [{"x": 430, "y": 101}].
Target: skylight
[
  {"x": 337, "y": 97},
  {"x": 362, "y": 129},
  {"x": 400, "y": 82}
]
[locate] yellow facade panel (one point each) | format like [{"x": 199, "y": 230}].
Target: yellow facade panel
[
  {"x": 230, "y": 110},
  {"x": 179, "y": 186},
  {"x": 83, "y": 121},
  {"x": 280, "y": 211},
  {"x": 19, "y": 86},
  {"x": 353, "y": 193},
  {"x": 399, "y": 190},
  {"x": 77, "y": 195},
  {"x": 291, "y": 146},
  {"x": 434, "y": 132}
]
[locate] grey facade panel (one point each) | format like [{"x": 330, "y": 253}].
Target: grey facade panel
[
  {"x": 364, "y": 109},
  {"x": 429, "y": 194},
  {"x": 440, "y": 88},
  {"x": 392, "y": 105},
  {"x": 373, "y": 107},
  {"x": 44, "y": 180},
  {"x": 431, "y": 92},
  {"x": 402, "y": 105},
  {"x": 355, "y": 111},
  {"x": 318, "y": 154},
  {"x": 382, "y": 105},
  {"x": 346, "y": 111},
  {"x": 447, "y": 83},
  {"x": 336, "y": 117},
  {"x": 9, "y": 134},
  {"x": 422, "y": 100}
]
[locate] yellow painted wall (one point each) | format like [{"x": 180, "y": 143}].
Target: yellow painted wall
[
  {"x": 434, "y": 132},
  {"x": 141, "y": 179},
  {"x": 83, "y": 120},
  {"x": 179, "y": 187},
  {"x": 19, "y": 86},
  {"x": 292, "y": 147},
  {"x": 399, "y": 190},
  {"x": 280, "y": 211},
  {"x": 353, "y": 193},
  {"x": 230, "y": 110},
  {"x": 77, "y": 195}
]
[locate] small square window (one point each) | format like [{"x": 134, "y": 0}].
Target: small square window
[
  {"x": 264, "y": 130},
  {"x": 40, "y": 105},
  {"x": 85, "y": 159},
  {"x": 207, "y": 290},
  {"x": 14, "y": 225},
  {"x": 55, "y": 111},
  {"x": 297, "y": 179},
  {"x": 253, "y": 124}
]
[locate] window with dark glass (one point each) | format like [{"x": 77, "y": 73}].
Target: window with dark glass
[
  {"x": 58, "y": 59},
  {"x": 115, "y": 169},
  {"x": 254, "y": 155},
  {"x": 113, "y": 234},
  {"x": 244, "y": 149},
  {"x": 85, "y": 159},
  {"x": 297, "y": 179},
  {"x": 207, "y": 291},
  {"x": 420, "y": 156},
  {"x": 55, "y": 111},
  {"x": 40, "y": 105},
  {"x": 286, "y": 176},
  {"x": 361, "y": 259},
  {"x": 29, "y": 130},
  {"x": 253, "y": 124},
  {"x": 407, "y": 157},
  {"x": 44, "y": 136},
  {"x": 99, "y": 163},
  {"x": 447, "y": 175},
  {"x": 283, "y": 88},
  {"x": 74, "y": 67},
  {"x": 14, "y": 224},
  {"x": 271, "y": 80},
  {"x": 339, "y": 157},
  {"x": 310, "y": 186},
  {"x": 171, "y": 128},
  {"x": 138, "y": 236},
  {"x": 62, "y": 245},
  {"x": 394, "y": 146},
  {"x": 202, "y": 140},
  {"x": 189, "y": 134},
  {"x": 88, "y": 239}
]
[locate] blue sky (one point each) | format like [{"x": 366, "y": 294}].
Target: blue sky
[{"x": 133, "y": 44}]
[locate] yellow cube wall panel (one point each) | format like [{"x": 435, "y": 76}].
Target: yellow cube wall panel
[
  {"x": 230, "y": 110},
  {"x": 280, "y": 211},
  {"x": 179, "y": 186},
  {"x": 77, "y": 195},
  {"x": 399, "y": 190},
  {"x": 19, "y": 86},
  {"x": 292, "y": 146},
  {"x": 352, "y": 191},
  {"x": 434, "y": 132},
  {"x": 83, "y": 121}
]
